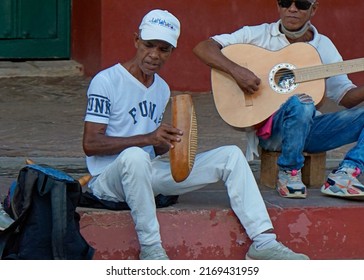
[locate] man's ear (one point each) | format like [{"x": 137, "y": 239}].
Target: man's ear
[
  {"x": 136, "y": 39},
  {"x": 314, "y": 8}
]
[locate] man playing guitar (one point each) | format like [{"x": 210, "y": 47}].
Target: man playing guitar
[{"x": 296, "y": 127}]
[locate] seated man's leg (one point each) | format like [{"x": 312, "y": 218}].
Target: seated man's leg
[
  {"x": 228, "y": 164},
  {"x": 248, "y": 204},
  {"x": 128, "y": 179},
  {"x": 331, "y": 131},
  {"x": 291, "y": 126}
]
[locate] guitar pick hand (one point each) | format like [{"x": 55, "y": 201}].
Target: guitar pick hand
[{"x": 246, "y": 79}]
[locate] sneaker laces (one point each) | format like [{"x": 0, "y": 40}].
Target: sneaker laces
[
  {"x": 355, "y": 172},
  {"x": 294, "y": 175}
]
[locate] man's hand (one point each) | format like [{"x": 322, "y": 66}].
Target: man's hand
[
  {"x": 246, "y": 79},
  {"x": 304, "y": 98},
  {"x": 209, "y": 51},
  {"x": 96, "y": 142},
  {"x": 165, "y": 135}
]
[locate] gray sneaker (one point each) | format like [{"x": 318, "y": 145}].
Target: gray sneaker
[
  {"x": 344, "y": 183},
  {"x": 290, "y": 184},
  {"x": 153, "y": 253},
  {"x": 5, "y": 219},
  {"x": 277, "y": 252}
]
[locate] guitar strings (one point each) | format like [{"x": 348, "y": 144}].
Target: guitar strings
[{"x": 316, "y": 72}]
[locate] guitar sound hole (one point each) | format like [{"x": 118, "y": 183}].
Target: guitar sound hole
[{"x": 284, "y": 79}]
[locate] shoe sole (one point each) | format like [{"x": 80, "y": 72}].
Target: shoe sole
[
  {"x": 249, "y": 258},
  {"x": 252, "y": 259},
  {"x": 350, "y": 197},
  {"x": 292, "y": 195}
]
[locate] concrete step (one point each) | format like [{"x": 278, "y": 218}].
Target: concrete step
[
  {"x": 201, "y": 226},
  {"x": 39, "y": 68}
]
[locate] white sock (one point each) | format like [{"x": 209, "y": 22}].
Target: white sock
[
  {"x": 264, "y": 241},
  {"x": 156, "y": 245}
]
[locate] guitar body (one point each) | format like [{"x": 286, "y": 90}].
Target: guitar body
[{"x": 244, "y": 111}]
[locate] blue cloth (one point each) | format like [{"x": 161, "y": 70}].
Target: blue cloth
[{"x": 57, "y": 174}]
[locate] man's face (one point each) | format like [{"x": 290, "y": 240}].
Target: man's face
[
  {"x": 293, "y": 18},
  {"x": 152, "y": 54}
]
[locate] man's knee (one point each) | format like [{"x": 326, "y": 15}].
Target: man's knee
[
  {"x": 133, "y": 158},
  {"x": 303, "y": 105},
  {"x": 233, "y": 151}
]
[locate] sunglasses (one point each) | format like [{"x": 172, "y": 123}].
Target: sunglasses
[{"x": 301, "y": 5}]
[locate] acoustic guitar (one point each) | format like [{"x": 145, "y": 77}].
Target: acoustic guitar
[{"x": 294, "y": 69}]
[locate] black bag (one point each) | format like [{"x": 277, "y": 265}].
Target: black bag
[{"x": 43, "y": 204}]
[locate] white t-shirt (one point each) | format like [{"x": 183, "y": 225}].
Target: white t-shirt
[
  {"x": 118, "y": 99},
  {"x": 269, "y": 37}
]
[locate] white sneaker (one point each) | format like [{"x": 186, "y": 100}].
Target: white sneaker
[{"x": 277, "y": 252}]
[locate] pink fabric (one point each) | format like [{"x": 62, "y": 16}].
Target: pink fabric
[{"x": 265, "y": 130}]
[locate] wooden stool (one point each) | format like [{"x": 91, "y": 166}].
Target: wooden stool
[{"x": 313, "y": 171}]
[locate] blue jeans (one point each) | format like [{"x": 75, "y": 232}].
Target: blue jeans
[{"x": 297, "y": 129}]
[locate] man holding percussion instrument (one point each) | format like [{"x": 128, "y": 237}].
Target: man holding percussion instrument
[{"x": 124, "y": 137}]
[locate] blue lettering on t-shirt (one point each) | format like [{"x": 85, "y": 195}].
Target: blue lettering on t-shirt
[
  {"x": 144, "y": 110},
  {"x": 98, "y": 105}
]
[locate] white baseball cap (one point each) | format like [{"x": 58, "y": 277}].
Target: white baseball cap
[{"x": 160, "y": 25}]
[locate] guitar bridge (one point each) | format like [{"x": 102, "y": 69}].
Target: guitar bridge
[{"x": 248, "y": 100}]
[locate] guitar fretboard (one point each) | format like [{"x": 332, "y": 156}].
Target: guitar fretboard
[{"x": 328, "y": 70}]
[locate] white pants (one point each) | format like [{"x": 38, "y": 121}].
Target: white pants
[{"x": 136, "y": 179}]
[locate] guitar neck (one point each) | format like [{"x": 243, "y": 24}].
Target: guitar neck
[{"x": 328, "y": 70}]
